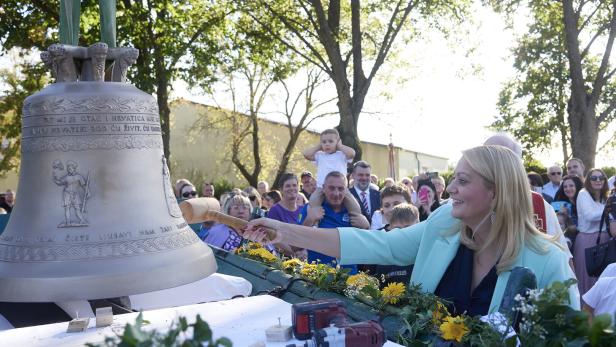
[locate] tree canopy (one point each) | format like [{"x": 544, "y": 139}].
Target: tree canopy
[
  {"x": 21, "y": 81},
  {"x": 350, "y": 41},
  {"x": 176, "y": 39},
  {"x": 565, "y": 81}
]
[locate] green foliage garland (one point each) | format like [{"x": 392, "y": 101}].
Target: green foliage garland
[{"x": 177, "y": 335}]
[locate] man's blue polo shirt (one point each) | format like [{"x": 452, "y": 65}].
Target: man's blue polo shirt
[{"x": 331, "y": 219}]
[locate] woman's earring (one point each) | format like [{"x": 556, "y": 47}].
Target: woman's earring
[{"x": 492, "y": 217}]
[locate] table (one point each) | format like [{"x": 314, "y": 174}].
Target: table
[{"x": 242, "y": 320}]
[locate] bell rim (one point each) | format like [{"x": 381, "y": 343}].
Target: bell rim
[{"x": 198, "y": 262}]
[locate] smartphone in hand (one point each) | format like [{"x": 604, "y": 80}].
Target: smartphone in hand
[{"x": 423, "y": 195}]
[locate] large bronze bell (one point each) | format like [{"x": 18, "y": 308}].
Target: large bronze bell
[{"x": 96, "y": 216}]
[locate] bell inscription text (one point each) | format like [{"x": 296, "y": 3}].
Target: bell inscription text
[{"x": 87, "y": 122}]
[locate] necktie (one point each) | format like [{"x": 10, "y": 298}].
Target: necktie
[{"x": 364, "y": 202}]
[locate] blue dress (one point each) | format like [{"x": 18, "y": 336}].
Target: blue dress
[{"x": 455, "y": 286}]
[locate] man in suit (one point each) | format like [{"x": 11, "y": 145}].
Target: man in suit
[{"x": 369, "y": 199}]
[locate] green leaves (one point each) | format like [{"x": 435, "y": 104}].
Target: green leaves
[
  {"x": 21, "y": 81},
  {"x": 600, "y": 330},
  {"x": 533, "y": 105},
  {"x": 549, "y": 321},
  {"x": 562, "y": 87},
  {"x": 175, "y": 38},
  {"x": 176, "y": 336},
  {"x": 201, "y": 331},
  {"x": 134, "y": 335}
]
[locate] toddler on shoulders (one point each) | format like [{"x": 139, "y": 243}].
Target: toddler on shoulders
[{"x": 331, "y": 155}]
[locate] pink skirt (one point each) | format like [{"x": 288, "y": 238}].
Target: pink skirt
[{"x": 583, "y": 241}]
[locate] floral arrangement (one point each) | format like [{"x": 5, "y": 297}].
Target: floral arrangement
[
  {"x": 547, "y": 320},
  {"x": 254, "y": 250}
]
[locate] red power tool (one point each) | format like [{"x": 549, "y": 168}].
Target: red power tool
[
  {"x": 326, "y": 324},
  {"x": 308, "y": 317},
  {"x": 362, "y": 334}
]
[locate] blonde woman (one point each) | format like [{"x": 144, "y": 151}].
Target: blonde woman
[
  {"x": 223, "y": 236},
  {"x": 464, "y": 252}
]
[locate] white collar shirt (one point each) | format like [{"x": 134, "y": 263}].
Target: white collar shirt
[{"x": 550, "y": 189}]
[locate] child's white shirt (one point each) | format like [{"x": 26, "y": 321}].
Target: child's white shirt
[
  {"x": 377, "y": 220},
  {"x": 327, "y": 163}
]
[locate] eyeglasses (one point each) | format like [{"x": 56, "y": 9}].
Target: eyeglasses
[
  {"x": 187, "y": 194},
  {"x": 555, "y": 173},
  {"x": 597, "y": 178}
]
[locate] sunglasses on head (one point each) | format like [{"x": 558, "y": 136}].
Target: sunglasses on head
[
  {"x": 555, "y": 173},
  {"x": 597, "y": 178},
  {"x": 187, "y": 194},
  {"x": 252, "y": 197}
]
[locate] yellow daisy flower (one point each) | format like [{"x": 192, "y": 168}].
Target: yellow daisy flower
[
  {"x": 439, "y": 313},
  {"x": 453, "y": 329},
  {"x": 291, "y": 264},
  {"x": 308, "y": 270},
  {"x": 359, "y": 280},
  {"x": 393, "y": 292},
  {"x": 254, "y": 245},
  {"x": 263, "y": 253}
]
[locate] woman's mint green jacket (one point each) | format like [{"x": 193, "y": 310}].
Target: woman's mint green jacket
[{"x": 431, "y": 246}]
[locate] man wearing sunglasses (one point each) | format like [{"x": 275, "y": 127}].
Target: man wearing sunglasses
[{"x": 555, "y": 175}]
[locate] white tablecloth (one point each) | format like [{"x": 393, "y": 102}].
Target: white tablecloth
[
  {"x": 242, "y": 320},
  {"x": 215, "y": 287}
]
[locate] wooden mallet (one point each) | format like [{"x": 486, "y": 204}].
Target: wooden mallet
[{"x": 199, "y": 210}]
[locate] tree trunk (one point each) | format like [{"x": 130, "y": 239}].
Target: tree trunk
[
  {"x": 584, "y": 134},
  {"x": 564, "y": 143},
  {"x": 581, "y": 108},
  {"x": 562, "y": 126},
  {"x": 286, "y": 156},
  {"x": 347, "y": 127},
  {"x": 162, "y": 97},
  {"x": 256, "y": 151},
  {"x": 164, "y": 111}
]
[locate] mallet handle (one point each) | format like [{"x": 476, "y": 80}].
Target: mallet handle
[{"x": 235, "y": 223}]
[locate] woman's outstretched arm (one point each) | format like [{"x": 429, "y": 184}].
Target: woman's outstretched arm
[{"x": 326, "y": 241}]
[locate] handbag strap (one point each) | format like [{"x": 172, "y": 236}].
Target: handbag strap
[{"x": 603, "y": 219}]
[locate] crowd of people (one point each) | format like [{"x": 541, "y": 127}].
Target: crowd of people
[
  {"x": 567, "y": 209},
  {"x": 458, "y": 238},
  {"x": 328, "y": 198}
]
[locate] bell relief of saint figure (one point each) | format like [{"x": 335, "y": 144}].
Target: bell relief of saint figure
[{"x": 75, "y": 193}]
